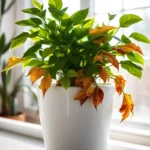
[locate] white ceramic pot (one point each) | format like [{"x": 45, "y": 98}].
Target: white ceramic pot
[{"x": 68, "y": 126}]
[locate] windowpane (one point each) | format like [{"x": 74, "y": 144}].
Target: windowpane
[
  {"x": 140, "y": 91},
  {"x": 141, "y": 27},
  {"x": 102, "y": 6},
  {"x": 129, "y": 4}
]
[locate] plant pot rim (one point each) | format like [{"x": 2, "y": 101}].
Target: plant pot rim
[{"x": 71, "y": 87}]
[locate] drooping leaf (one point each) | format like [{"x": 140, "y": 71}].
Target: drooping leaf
[
  {"x": 19, "y": 40},
  {"x": 131, "y": 47},
  {"x": 45, "y": 83},
  {"x": 56, "y": 3},
  {"x": 12, "y": 62},
  {"x": 135, "y": 57},
  {"x": 111, "y": 58},
  {"x": 119, "y": 84},
  {"x": 35, "y": 73},
  {"x": 125, "y": 39},
  {"x": 98, "y": 96},
  {"x": 71, "y": 73},
  {"x": 103, "y": 74},
  {"x": 140, "y": 37},
  {"x": 37, "y": 4},
  {"x": 129, "y": 19},
  {"x": 65, "y": 82},
  {"x": 85, "y": 93},
  {"x": 132, "y": 68},
  {"x": 79, "y": 16},
  {"x": 98, "y": 58},
  {"x": 111, "y": 17},
  {"x": 127, "y": 106},
  {"x": 100, "y": 30}
]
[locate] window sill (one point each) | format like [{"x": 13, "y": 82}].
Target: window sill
[{"x": 31, "y": 135}]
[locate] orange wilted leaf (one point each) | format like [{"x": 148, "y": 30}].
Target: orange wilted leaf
[
  {"x": 45, "y": 83},
  {"x": 100, "y": 30},
  {"x": 129, "y": 48},
  {"x": 119, "y": 84},
  {"x": 103, "y": 74},
  {"x": 35, "y": 73},
  {"x": 127, "y": 106},
  {"x": 85, "y": 93},
  {"x": 98, "y": 96},
  {"x": 101, "y": 40},
  {"x": 12, "y": 62},
  {"x": 111, "y": 58},
  {"x": 98, "y": 58}
]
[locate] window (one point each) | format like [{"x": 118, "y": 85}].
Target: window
[{"x": 138, "y": 88}]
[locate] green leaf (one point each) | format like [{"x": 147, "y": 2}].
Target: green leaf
[
  {"x": 35, "y": 62},
  {"x": 135, "y": 57},
  {"x": 91, "y": 70},
  {"x": 88, "y": 23},
  {"x": 32, "y": 50},
  {"x": 111, "y": 17},
  {"x": 32, "y": 11},
  {"x": 65, "y": 82},
  {"x": 79, "y": 16},
  {"x": 19, "y": 40},
  {"x": 129, "y": 19},
  {"x": 132, "y": 68},
  {"x": 71, "y": 73},
  {"x": 47, "y": 52},
  {"x": 2, "y": 42},
  {"x": 56, "y": 3},
  {"x": 80, "y": 32},
  {"x": 125, "y": 40},
  {"x": 29, "y": 22},
  {"x": 140, "y": 37},
  {"x": 37, "y": 4}
]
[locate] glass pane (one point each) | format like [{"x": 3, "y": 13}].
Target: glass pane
[
  {"x": 129, "y": 4},
  {"x": 141, "y": 27},
  {"x": 102, "y": 6},
  {"x": 140, "y": 91},
  {"x": 103, "y": 18}
]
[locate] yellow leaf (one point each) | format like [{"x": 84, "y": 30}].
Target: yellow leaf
[
  {"x": 129, "y": 48},
  {"x": 111, "y": 58},
  {"x": 35, "y": 73},
  {"x": 12, "y": 62},
  {"x": 98, "y": 96},
  {"x": 119, "y": 84},
  {"x": 127, "y": 106},
  {"x": 100, "y": 30},
  {"x": 103, "y": 74},
  {"x": 45, "y": 83}
]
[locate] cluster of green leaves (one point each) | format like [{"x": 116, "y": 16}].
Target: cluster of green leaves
[{"x": 64, "y": 45}]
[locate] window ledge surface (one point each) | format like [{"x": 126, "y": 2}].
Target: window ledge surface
[{"x": 29, "y": 136}]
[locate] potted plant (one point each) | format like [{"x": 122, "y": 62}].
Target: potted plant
[
  {"x": 75, "y": 52},
  {"x": 8, "y": 97}
]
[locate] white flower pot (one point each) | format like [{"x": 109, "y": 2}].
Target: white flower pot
[{"x": 68, "y": 126}]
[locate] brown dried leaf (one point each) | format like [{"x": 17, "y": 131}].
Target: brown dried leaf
[
  {"x": 103, "y": 74},
  {"x": 127, "y": 106},
  {"x": 98, "y": 96}
]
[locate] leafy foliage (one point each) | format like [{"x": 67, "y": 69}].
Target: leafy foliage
[{"x": 76, "y": 51}]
